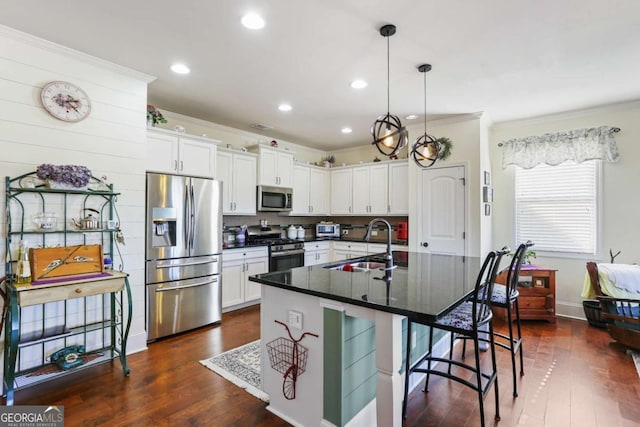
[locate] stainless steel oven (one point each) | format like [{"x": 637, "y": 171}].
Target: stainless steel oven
[
  {"x": 283, "y": 256},
  {"x": 283, "y": 253}
]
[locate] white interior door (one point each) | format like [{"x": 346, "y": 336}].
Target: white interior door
[{"x": 443, "y": 210}]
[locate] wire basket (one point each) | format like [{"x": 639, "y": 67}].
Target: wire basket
[{"x": 281, "y": 355}]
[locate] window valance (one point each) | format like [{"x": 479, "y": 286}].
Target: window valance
[{"x": 554, "y": 148}]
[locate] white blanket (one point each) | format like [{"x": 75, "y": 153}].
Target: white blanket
[{"x": 623, "y": 276}]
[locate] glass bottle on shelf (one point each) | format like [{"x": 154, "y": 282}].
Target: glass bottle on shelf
[{"x": 23, "y": 270}]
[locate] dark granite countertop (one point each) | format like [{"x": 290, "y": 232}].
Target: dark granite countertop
[
  {"x": 313, "y": 239},
  {"x": 422, "y": 287}
]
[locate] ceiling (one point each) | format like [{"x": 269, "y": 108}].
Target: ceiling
[{"x": 508, "y": 59}]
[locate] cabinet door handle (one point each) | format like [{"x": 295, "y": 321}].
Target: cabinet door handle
[
  {"x": 175, "y": 165},
  {"x": 181, "y": 165}
]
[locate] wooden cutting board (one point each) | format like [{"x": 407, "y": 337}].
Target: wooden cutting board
[{"x": 47, "y": 263}]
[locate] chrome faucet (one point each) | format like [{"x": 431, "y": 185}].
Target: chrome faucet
[{"x": 389, "y": 256}]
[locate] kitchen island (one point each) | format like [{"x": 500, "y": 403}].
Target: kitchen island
[{"x": 353, "y": 369}]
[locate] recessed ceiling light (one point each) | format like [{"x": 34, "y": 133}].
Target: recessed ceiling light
[
  {"x": 411, "y": 117},
  {"x": 358, "y": 84},
  {"x": 253, "y": 21},
  {"x": 284, "y": 107},
  {"x": 180, "y": 69},
  {"x": 346, "y": 130}
]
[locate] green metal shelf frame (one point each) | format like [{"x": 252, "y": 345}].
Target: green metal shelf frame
[{"x": 118, "y": 325}]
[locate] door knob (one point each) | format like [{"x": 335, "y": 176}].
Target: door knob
[{"x": 425, "y": 244}]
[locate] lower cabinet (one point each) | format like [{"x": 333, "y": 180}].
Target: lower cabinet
[
  {"x": 237, "y": 266},
  {"x": 348, "y": 250},
  {"x": 316, "y": 253}
]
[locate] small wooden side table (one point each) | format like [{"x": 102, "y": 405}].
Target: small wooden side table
[{"x": 537, "y": 287}]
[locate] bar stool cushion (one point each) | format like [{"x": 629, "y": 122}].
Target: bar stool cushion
[
  {"x": 499, "y": 295},
  {"x": 460, "y": 318}
]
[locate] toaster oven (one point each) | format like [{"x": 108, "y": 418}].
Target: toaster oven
[{"x": 327, "y": 229}]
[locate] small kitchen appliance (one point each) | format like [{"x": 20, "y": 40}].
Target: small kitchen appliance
[
  {"x": 402, "y": 230},
  {"x": 327, "y": 230}
]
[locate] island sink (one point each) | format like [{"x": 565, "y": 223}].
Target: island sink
[{"x": 359, "y": 266}]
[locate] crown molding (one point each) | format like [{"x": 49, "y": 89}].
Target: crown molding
[
  {"x": 254, "y": 136},
  {"x": 565, "y": 115},
  {"x": 41, "y": 43}
]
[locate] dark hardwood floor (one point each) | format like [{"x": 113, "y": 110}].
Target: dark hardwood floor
[{"x": 574, "y": 376}]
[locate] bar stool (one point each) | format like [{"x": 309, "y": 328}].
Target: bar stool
[
  {"x": 465, "y": 321},
  {"x": 506, "y": 296}
]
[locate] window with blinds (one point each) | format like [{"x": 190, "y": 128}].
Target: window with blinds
[{"x": 557, "y": 207}]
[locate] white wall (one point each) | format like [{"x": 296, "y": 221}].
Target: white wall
[
  {"x": 111, "y": 141},
  {"x": 621, "y": 203}
]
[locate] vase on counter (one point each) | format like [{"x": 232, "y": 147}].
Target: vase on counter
[{"x": 150, "y": 123}]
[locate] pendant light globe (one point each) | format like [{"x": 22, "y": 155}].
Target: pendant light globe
[
  {"x": 426, "y": 149},
  {"x": 389, "y": 135}
]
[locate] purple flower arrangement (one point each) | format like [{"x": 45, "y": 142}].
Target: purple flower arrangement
[{"x": 72, "y": 175}]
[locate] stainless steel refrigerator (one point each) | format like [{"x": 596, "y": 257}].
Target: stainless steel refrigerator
[{"x": 183, "y": 253}]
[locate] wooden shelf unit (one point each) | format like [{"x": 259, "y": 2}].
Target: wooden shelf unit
[{"x": 537, "y": 287}]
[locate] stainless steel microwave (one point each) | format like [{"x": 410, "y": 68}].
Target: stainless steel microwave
[{"x": 274, "y": 199}]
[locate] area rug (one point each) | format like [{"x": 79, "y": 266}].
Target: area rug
[
  {"x": 636, "y": 359},
  {"x": 241, "y": 366}
]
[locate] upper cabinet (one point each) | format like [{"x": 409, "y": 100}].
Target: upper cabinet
[
  {"x": 341, "y": 184},
  {"x": 370, "y": 189},
  {"x": 310, "y": 191},
  {"x": 177, "y": 153},
  {"x": 399, "y": 188},
  {"x": 361, "y": 190},
  {"x": 237, "y": 171},
  {"x": 275, "y": 166}
]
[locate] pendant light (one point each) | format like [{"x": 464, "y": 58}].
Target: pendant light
[
  {"x": 425, "y": 149},
  {"x": 389, "y": 136}
]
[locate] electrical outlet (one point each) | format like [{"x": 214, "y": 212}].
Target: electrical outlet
[
  {"x": 295, "y": 319},
  {"x": 345, "y": 232},
  {"x": 231, "y": 237},
  {"x": 374, "y": 233}
]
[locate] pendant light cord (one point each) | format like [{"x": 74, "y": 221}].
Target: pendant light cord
[
  {"x": 388, "y": 72},
  {"x": 425, "y": 103}
]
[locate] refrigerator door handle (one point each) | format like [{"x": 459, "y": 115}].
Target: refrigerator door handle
[
  {"x": 194, "y": 214},
  {"x": 192, "y": 285},
  {"x": 187, "y": 214},
  {"x": 186, "y": 264}
]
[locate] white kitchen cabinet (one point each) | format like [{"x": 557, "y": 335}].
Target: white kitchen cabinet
[
  {"x": 177, "y": 153},
  {"x": 237, "y": 266},
  {"x": 316, "y": 253},
  {"x": 341, "y": 191},
  {"x": 377, "y": 248},
  {"x": 237, "y": 171},
  {"x": 370, "y": 189},
  {"x": 275, "y": 166},
  {"x": 310, "y": 191},
  {"x": 347, "y": 250},
  {"x": 399, "y": 188},
  {"x": 360, "y": 190}
]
